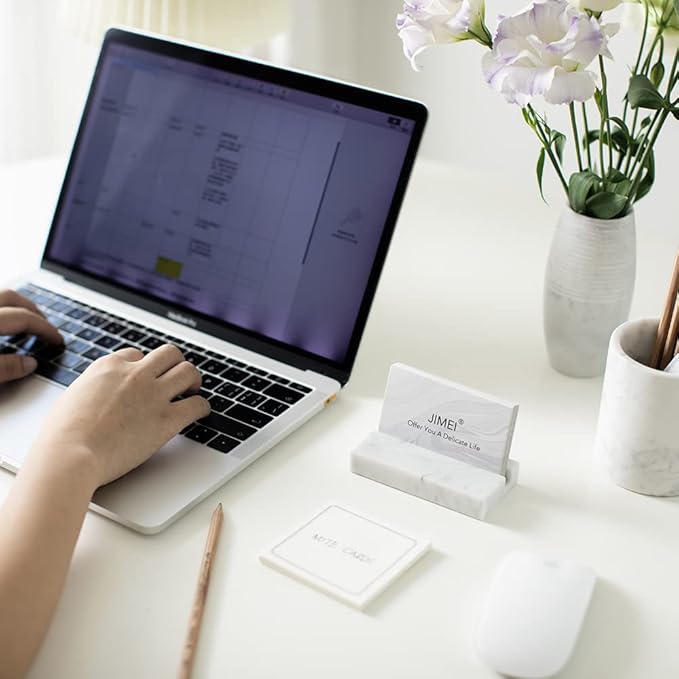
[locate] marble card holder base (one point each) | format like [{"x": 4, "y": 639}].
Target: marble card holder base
[{"x": 432, "y": 476}]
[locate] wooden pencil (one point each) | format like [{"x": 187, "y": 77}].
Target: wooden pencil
[
  {"x": 189, "y": 652},
  {"x": 671, "y": 339},
  {"x": 665, "y": 318}
]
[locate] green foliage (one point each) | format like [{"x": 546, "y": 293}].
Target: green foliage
[
  {"x": 642, "y": 93},
  {"x": 539, "y": 169},
  {"x": 603, "y": 198}
]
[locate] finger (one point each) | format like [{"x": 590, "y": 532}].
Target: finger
[
  {"x": 181, "y": 379},
  {"x": 13, "y": 298},
  {"x": 15, "y": 367},
  {"x": 163, "y": 358},
  {"x": 16, "y": 320},
  {"x": 189, "y": 410},
  {"x": 129, "y": 354}
]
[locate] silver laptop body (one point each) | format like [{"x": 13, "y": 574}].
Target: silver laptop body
[{"x": 239, "y": 210}]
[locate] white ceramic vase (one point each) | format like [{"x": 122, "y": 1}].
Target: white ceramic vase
[{"x": 588, "y": 290}]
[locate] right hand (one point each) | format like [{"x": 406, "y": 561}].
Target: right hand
[
  {"x": 19, "y": 315},
  {"x": 120, "y": 411}
]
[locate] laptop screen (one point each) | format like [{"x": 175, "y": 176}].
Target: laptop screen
[{"x": 245, "y": 200}]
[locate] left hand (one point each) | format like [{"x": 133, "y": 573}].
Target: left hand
[{"x": 19, "y": 315}]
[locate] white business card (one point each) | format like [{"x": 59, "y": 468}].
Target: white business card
[
  {"x": 448, "y": 418},
  {"x": 346, "y": 555}
]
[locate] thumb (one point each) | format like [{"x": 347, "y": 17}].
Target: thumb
[{"x": 16, "y": 367}]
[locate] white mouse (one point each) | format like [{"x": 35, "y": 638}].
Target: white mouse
[{"x": 533, "y": 614}]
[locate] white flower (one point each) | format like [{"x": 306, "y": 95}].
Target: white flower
[
  {"x": 544, "y": 50},
  {"x": 597, "y": 5},
  {"x": 424, "y": 23}
]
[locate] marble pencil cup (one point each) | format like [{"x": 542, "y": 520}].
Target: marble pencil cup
[{"x": 637, "y": 435}]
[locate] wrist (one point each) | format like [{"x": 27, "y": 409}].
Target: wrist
[{"x": 74, "y": 462}]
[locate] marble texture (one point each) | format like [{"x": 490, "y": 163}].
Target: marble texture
[
  {"x": 448, "y": 418},
  {"x": 637, "y": 436},
  {"x": 589, "y": 283},
  {"x": 440, "y": 479}
]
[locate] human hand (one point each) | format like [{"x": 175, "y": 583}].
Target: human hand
[
  {"x": 19, "y": 315},
  {"x": 121, "y": 410}
]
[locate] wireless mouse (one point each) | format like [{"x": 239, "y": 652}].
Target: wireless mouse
[{"x": 533, "y": 614}]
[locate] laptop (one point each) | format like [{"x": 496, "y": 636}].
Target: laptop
[{"x": 238, "y": 210}]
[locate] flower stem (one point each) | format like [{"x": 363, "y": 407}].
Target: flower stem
[
  {"x": 605, "y": 118},
  {"x": 537, "y": 128},
  {"x": 587, "y": 145},
  {"x": 576, "y": 136}
]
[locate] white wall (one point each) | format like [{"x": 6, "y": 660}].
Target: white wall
[
  {"x": 469, "y": 123},
  {"x": 44, "y": 74}
]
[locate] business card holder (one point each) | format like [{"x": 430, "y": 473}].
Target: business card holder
[{"x": 432, "y": 476}]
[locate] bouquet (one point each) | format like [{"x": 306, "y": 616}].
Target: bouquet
[{"x": 558, "y": 50}]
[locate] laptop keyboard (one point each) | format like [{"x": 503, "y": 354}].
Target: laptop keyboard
[{"x": 243, "y": 397}]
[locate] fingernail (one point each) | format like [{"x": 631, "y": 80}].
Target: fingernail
[{"x": 28, "y": 364}]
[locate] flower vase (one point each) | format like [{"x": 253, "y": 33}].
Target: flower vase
[{"x": 588, "y": 290}]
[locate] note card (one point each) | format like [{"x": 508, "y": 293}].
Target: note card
[{"x": 346, "y": 555}]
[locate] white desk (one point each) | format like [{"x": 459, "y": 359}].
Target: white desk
[{"x": 460, "y": 296}]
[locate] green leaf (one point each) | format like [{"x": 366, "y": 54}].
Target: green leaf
[
  {"x": 642, "y": 93},
  {"x": 647, "y": 180},
  {"x": 527, "y": 117},
  {"x": 539, "y": 170},
  {"x": 580, "y": 185},
  {"x": 614, "y": 176},
  {"x": 621, "y": 187},
  {"x": 559, "y": 141},
  {"x": 605, "y": 205},
  {"x": 599, "y": 101},
  {"x": 657, "y": 73},
  {"x": 645, "y": 122},
  {"x": 676, "y": 6}
]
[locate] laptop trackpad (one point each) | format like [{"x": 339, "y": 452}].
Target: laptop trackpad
[{"x": 23, "y": 407}]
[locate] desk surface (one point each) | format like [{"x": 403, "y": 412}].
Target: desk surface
[{"x": 460, "y": 296}]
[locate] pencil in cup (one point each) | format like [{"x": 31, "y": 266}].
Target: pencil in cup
[{"x": 668, "y": 327}]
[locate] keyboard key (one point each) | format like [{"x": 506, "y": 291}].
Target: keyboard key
[
  {"x": 61, "y": 307},
  {"x": 89, "y": 334},
  {"x": 274, "y": 408},
  {"x": 249, "y": 416},
  {"x": 77, "y": 346},
  {"x": 72, "y": 327},
  {"x": 68, "y": 360},
  {"x": 283, "y": 393},
  {"x": 238, "y": 364},
  {"x": 193, "y": 357},
  {"x": 256, "y": 383},
  {"x": 114, "y": 328},
  {"x": 278, "y": 379},
  {"x": 223, "y": 444},
  {"x": 57, "y": 374},
  {"x": 300, "y": 387},
  {"x": 214, "y": 367},
  {"x": 83, "y": 366},
  {"x": 152, "y": 343},
  {"x": 94, "y": 353},
  {"x": 77, "y": 313},
  {"x": 235, "y": 375},
  {"x": 200, "y": 433},
  {"x": 95, "y": 320},
  {"x": 227, "y": 425},
  {"x": 229, "y": 390},
  {"x": 56, "y": 321},
  {"x": 108, "y": 342},
  {"x": 251, "y": 398},
  {"x": 211, "y": 382},
  {"x": 133, "y": 336},
  {"x": 257, "y": 371},
  {"x": 219, "y": 404}
]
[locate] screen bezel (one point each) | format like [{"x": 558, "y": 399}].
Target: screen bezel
[{"x": 275, "y": 349}]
